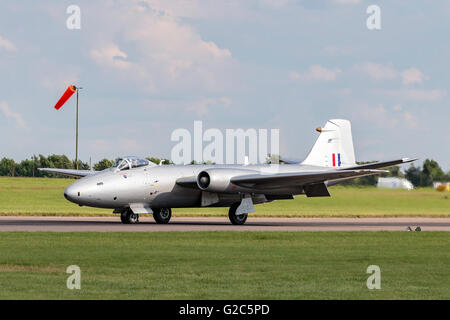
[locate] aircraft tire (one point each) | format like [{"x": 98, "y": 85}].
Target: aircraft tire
[
  {"x": 128, "y": 217},
  {"x": 162, "y": 215},
  {"x": 236, "y": 219}
]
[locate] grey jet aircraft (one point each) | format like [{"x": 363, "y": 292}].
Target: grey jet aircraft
[{"x": 134, "y": 186}]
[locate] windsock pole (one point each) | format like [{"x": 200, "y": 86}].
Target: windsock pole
[
  {"x": 76, "y": 138},
  {"x": 76, "y": 134},
  {"x": 66, "y": 95}
]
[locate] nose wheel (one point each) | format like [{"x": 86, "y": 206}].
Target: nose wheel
[
  {"x": 162, "y": 215},
  {"x": 236, "y": 219},
  {"x": 128, "y": 217}
]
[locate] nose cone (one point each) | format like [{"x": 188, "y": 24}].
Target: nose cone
[{"x": 71, "y": 193}]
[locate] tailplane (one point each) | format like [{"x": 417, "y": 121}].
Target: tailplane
[{"x": 334, "y": 147}]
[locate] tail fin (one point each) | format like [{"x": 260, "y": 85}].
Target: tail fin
[{"x": 334, "y": 147}]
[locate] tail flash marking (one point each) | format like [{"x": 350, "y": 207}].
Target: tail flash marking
[
  {"x": 339, "y": 159},
  {"x": 334, "y": 160}
]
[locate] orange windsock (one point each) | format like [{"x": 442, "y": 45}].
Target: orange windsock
[{"x": 67, "y": 94}]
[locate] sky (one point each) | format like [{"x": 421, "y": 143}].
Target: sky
[{"x": 149, "y": 67}]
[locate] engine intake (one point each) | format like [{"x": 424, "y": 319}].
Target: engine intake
[
  {"x": 218, "y": 180},
  {"x": 203, "y": 180}
]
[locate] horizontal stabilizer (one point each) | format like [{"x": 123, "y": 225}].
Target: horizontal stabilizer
[{"x": 382, "y": 164}]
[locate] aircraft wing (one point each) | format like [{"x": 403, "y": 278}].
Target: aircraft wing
[
  {"x": 69, "y": 172},
  {"x": 282, "y": 180},
  {"x": 382, "y": 164},
  {"x": 285, "y": 180}
]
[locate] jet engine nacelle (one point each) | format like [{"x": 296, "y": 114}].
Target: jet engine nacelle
[{"x": 218, "y": 180}]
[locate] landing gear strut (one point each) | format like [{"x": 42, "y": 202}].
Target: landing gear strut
[
  {"x": 162, "y": 215},
  {"x": 128, "y": 217},
  {"x": 234, "y": 218}
]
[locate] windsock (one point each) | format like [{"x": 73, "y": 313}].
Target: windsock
[{"x": 67, "y": 94}]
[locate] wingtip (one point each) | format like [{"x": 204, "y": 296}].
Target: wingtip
[{"x": 406, "y": 160}]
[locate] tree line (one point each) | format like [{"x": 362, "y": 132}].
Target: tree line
[
  {"x": 29, "y": 167},
  {"x": 420, "y": 176}
]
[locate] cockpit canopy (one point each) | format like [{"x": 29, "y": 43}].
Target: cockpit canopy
[{"x": 130, "y": 162}]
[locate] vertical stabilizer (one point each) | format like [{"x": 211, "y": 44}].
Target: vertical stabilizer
[{"x": 334, "y": 147}]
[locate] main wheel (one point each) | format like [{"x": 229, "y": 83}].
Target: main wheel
[
  {"x": 162, "y": 215},
  {"x": 234, "y": 218},
  {"x": 128, "y": 217}
]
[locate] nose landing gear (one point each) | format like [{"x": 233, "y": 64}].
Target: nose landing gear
[{"x": 128, "y": 217}]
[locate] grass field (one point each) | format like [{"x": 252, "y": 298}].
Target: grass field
[
  {"x": 37, "y": 196},
  {"x": 225, "y": 265}
]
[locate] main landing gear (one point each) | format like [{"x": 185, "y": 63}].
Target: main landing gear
[
  {"x": 236, "y": 219},
  {"x": 162, "y": 215}
]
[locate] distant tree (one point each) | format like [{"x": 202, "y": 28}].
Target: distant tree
[
  {"x": 158, "y": 160},
  {"x": 103, "y": 164},
  {"x": 273, "y": 159},
  {"x": 447, "y": 177},
  {"x": 81, "y": 165},
  {"x": 7, "y": 167},
  {"x": 362, "y": 181},
  {"x": 43, "y": 162},
  {"x": 25, "y": 168},
  {"x": 60, "y": 161},
  {"x": 204, "y": 162},
  {"x": 431, "y": 172},
  {"x": 413, "y": 175},
  {"x": 393, "y": 172}
]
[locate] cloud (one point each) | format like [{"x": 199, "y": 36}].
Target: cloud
[
  {"x": 7, "y": 44},
  {"x": 417, "y": 94},
  {"x": 387, "y": 72},
  {"x": 378, "y": 115},
  {"x": 54, "y": 79},
  {"x": 100, "y": 145},
  {"x": 203, "y": 106},
  {"x": 11, "y": 115},
  {"x": 129, "y": 146},
  {"x": 274, "y": 4},
  {"x": 384, "y": 117},
  {"x": 111, "y": 56},
  {"x": 146, "y": 43},
  {"x": 316, "y": 73},
  {"x": 413, "y": 75},
  {"x": 339, "y": 50},
  {"x": 346, "y": 1},
  {"x": 410, "y": 120},
  {"x": 377, "y": 71}
]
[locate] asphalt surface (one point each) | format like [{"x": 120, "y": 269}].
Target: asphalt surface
[{"x": 146, "y": 224}]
